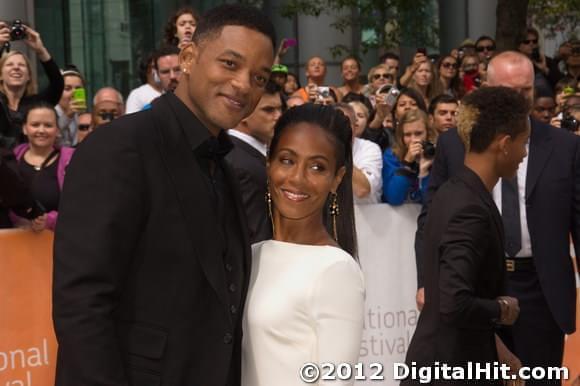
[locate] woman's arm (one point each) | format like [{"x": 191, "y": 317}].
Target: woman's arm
[
  {"x": 53, "y": 92},
  {"x": 397, "y": 179}
]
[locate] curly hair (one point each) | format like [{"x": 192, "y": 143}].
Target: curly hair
[
  {"x": 169, "y": 37},
  {"x": 488, "y": 112}
]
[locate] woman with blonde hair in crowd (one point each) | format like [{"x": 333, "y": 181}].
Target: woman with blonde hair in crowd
[
  {"x": 406, "y": 166},
  {"x": 17, "y": 85}
]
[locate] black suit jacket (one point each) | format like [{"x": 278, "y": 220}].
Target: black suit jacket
[
  {"x": 140, "y": 290},
  {"x": 464, "y": 274},
  {"x": 552, "y": 209},
  {"x": 250, "y": 167}
]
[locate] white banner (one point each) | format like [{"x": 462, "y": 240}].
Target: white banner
[{"x": 386, "y": 237}]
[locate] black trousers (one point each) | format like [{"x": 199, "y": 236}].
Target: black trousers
[{"x": 535, "y": 338}]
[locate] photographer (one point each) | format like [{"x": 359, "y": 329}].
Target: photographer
[
  {"x": 407, "y": 165},
  {"x": 17, "y": 89}
]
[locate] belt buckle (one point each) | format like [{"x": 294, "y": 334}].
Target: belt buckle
[{"x": 510, "y": 265}]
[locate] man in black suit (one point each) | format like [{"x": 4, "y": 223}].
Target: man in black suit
[
  {"x": 464, "y": 265},
  {"x": 152, "y": 255},
  {"x": 538, "y": 225},
  {"x": 251, "y": 138}
]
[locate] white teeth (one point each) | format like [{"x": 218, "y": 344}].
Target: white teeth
[{"x": 295, "y": 196}]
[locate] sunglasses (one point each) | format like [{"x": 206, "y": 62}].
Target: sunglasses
[
  {"x": 485, "y": 48},
  {"x": 384, "y": 76},
  {"x": 449, "y": 65},
  {"x": 84, "y": 127},
  {"x": 535, "y": 41}
]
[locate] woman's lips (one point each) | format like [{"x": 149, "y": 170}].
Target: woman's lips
[{"x": 295, "y": 196}]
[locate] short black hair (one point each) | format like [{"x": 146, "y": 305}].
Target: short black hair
[
  {"x": 273, "y": 88},
  {"x": 388, "y": 55},
  {"x": 500, "y": 110},
  {"x": 439, "y": 99},
  {"x": 165, "y": 50},
  {"x": 214, "y": 20},
  {"x": 482, "y": 38}
]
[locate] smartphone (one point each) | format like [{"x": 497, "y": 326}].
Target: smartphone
[
  {"x": 422, "y": 50},
  {"x": 289, "y": 42},
  {"x": 79, "y": 97}
]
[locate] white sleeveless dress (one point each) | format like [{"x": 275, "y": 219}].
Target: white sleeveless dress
[{"x": 305, "y": 303}]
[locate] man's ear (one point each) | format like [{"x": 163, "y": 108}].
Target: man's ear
[
  {"x": 503, "y": 142},
  {"x": 187, "y": 56}
]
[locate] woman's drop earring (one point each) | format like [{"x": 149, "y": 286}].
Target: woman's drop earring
[{"x": 334, "y": 212}]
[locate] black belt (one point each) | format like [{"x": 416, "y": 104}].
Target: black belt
[{"x": 519, "y": 264}]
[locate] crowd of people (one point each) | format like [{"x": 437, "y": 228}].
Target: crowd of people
[{"x": 298, "y": 153}]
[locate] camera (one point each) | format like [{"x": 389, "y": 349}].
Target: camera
[
  {"x": 324, "y": 92},
  {"x": 570, "y": 123},
  {"x": 428, "y": 149},
  {"x": 392, "y": 94},
  {"x": 17, "y": 30}
]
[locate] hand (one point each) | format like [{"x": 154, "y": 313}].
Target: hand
[
  {"x": 542, "y": 65},
  {"x": 414, "y": 151},
  {"x": 312, "y": 90},
  {"x": 425, "y": 166},
  {"x": 505, "y": 356},
  {"x": 183, "y": 43},
  {"x": 34, "y": 41},
  {"x": 77, "y": 106},
  {"x": 418, "y": 59},
  {"x": 282, "y": 49},
  {"x": 510, "y": 310},
  {"x": 420, "y": 298},
  {"x": 39, "y": 223},
  {"x": 556, "y": 121},
  {"x": 4, "y": 33}
]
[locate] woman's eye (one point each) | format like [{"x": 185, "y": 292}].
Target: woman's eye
[
  {"x": 229, "y": 63},
  {"x": 318, "y": 167}
]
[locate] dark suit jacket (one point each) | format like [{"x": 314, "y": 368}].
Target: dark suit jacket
[
  {"x": 250, "y": 167},
  {"x": 552, "y": 209},
  {"x": 140, "y": 291},
  {"x": 464, "y": 273}
]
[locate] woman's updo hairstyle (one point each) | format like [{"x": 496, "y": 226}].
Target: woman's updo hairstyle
[{"x": 337, "y": 126}]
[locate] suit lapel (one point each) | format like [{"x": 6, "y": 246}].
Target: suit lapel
[
  {"x": 193, "y": 195},
  {"x": 541, "y": 147}
]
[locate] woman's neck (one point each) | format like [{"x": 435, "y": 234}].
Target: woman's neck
[
  {"x": 308, "y": 231},
  {"x": 14, "y": 95},
  {"x": 40, "y": 152},
  {"x": 352, "y": 86},
  {"x": 446, "y": 82}
]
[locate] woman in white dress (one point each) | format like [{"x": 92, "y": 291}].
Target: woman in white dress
[{"x": 306, "y": 296}]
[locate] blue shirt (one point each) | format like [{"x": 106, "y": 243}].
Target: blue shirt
[{"x": 401, "y": 183}]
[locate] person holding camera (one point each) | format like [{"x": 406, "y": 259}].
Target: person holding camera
[
  {"x": 17, "y": 89},
  {"x": 407, "y": 165}
]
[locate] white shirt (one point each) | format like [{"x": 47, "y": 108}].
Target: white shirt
[
  {"x": 305, "y": 303},
  {"x": 526, "y": 250},
  {"x": 140, "y": 97},
  {"x": 253, "y": 142},
  {"x": 366, "y": 156}
]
